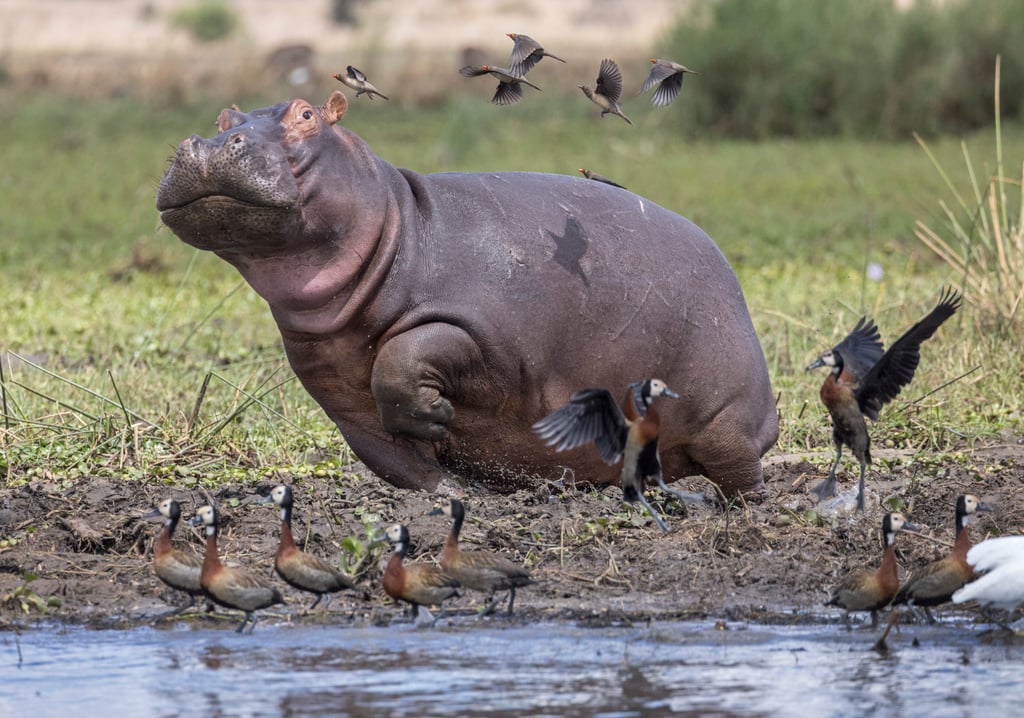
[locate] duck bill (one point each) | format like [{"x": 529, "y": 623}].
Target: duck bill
[{"x": 815, "y": 364}]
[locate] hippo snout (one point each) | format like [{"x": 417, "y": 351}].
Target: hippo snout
[{"x": 232, "y": 165}]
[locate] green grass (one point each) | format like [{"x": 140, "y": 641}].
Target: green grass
[{"x": 116, "y": 324}]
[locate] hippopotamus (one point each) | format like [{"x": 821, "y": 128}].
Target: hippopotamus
[{"x": 436, "y": 317}]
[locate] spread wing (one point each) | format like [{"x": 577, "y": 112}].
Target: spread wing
[
  {"x": 590, "y": 415},
  {"x": 521, "y": 60},
  {"x": 861, "y": 349},
  {"x": 355, "y": 74},
  {"x": 897, "y": 366},
  {"x": 658, "y": 72},
  {"x": 668, "y": 90},
  {"x": 609, "y": 80}
]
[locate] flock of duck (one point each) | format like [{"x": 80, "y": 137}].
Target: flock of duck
[
  {"x": 863, "y": 377},
  {"x": 417, "y": 584}
]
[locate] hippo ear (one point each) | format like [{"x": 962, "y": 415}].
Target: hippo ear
[
  {"x": 335, "y": 106},
  {"x": 229, "y": 118}
]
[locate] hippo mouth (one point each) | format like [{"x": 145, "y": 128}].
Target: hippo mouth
[{"x": 222, "y": 222}]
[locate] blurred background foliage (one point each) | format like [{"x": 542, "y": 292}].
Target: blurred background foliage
[{"x": 866, "y": 68}]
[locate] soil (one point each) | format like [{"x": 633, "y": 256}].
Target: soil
[{"x": 79, "y": 552}]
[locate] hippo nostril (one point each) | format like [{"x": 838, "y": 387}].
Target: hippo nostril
[{"x": 237, "y": 139}]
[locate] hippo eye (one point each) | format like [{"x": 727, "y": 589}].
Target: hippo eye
[{"x": 307, "y": 115}]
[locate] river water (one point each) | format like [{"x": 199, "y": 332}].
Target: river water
[{"x": 551, "y": 669}]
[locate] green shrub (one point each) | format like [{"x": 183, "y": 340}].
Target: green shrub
[
  {"x": 207, "y": 21},
  {"x": 862, "y": 67}
]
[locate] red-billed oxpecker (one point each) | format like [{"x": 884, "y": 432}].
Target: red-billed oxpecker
[
  {"x": 629, "y": 434},
  {"x": 864, "y": 378},
  {"x": 526, "y": 52}
]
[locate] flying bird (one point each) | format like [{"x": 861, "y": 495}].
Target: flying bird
[
  {"x": 668, "y": 75},
  {"x": 629, "y": 434},
  {"x": 510, "y": 85},
  {"x": 526, "y": 53},
  {"x": 608, "y": 91},
  {"x": 357, "y": 81}
]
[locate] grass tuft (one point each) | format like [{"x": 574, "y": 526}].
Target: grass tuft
[{"x": 983, "y": 241}]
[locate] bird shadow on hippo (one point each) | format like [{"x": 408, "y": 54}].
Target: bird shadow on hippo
[{"x": 436, "y": 317}]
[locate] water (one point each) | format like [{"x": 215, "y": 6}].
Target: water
[{"x": 538, "y": 670}]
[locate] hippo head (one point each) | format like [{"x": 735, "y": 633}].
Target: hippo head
[{"x": 247, "y": 189}]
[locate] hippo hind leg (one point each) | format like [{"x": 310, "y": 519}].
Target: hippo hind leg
[{"x": 730, "y": 453}]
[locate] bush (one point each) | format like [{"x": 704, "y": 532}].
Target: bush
[
  {"x": 862, "y": 67},
  {"x": 207, "y": 21}
]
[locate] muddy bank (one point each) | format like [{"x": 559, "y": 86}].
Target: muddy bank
[{"x": 80, "y": 552}]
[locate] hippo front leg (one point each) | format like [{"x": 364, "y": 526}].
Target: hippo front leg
[{"x": 419, "y": 375}]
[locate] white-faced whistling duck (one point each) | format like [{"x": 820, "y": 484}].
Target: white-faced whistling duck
[
  {"x": 177, "y": 569},
  {"x": 416, "y": 584},
  {"x": 872, "y": 590},
  {"x": 630, "y": 434},
  {"x": 231, "y": 587},
  {"x": 479, "y": 570},
  {"x": 864, "y": 378},
  {"x": 301, "y": 570},
  {"x": 1000, "y": 564},
  {"x": 935, "y": 583}
]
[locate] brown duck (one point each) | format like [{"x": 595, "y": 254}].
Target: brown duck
[
  {"x": 872, "y": 590},
  {"x": 935, "y": 583},
  {"x": 863, "y": 378},
  {"x": 299, "y": 569},
  {"x": 174, "y": 567},
  {"x": 416, "y": 584},
  {"x": 231, "y": 587},
  {"x": 479, "y": 570},
  {"x": 629, "y": 434}
]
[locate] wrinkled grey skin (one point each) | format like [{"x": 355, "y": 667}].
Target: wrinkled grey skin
[{"x": 435, "y": 318}]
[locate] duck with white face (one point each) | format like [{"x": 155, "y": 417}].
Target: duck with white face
[
  {"x": 629, "y": 434},
  {"x": 228, "y": 586},
  {"x": 417, "y": 584},
  {"x": 863, "y": 378},
  {"x": 299, "y": 569},
  {"x": 178, "y": 569}
]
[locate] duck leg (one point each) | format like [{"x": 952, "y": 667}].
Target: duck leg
[
  {"x": 827, "y": 488},
  {"x": 683, "y": 497},
  {"x": 860, "y": 486}
]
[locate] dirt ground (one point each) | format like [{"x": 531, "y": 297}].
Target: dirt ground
[{"x": 595, "y": 559}]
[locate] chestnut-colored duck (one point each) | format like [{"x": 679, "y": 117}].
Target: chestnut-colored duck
[
  {"x": 231, "y": 587},
  {"x": 480, "y": 570},
  {"x": 1000, "y": 564},
  {"x": 416, "y": 584},
  {"x": 863, "y": 378},
  {"x": 177, "y": 569},
  {"x": 872, "y": 590},
  {"x": 301, "y": 570},
  {"x": 629, "y": 434},
  {"x": 935, "y": 583}
]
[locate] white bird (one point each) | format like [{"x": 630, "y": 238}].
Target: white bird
[{"x": 1001, "y": 561}]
